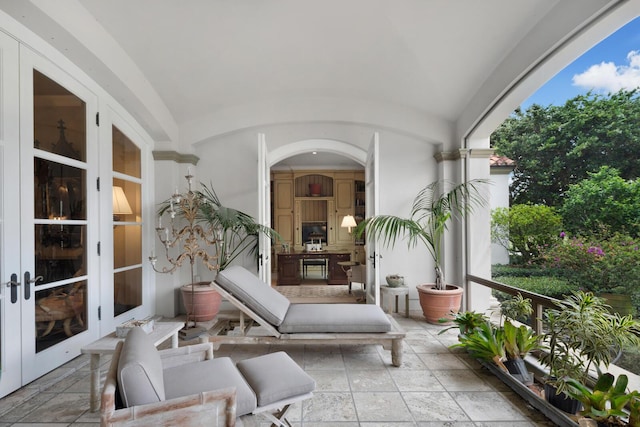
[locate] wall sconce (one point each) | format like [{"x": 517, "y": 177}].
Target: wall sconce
[
  {"x": 348, "y": 222},
  {"x": 120, "y": 204}
]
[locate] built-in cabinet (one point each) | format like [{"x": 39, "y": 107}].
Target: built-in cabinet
[{"x": 312, "y": 204}]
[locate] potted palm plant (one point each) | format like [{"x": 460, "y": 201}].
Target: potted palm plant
[
  {"x": 237, "y": 232},
  {"x": 433, "y": 208},
  {"x": 211, "y": 232}
]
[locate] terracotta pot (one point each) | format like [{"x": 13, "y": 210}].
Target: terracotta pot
[
  {"x": 437, "y": 304},
  {"x": 206, "y": 301}
]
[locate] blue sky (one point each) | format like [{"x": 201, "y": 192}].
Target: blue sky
[{"x": 609, "y": 66}]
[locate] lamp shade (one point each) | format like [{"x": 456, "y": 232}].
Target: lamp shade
[
  {"x": 348, "y": 222},
  {"x": 120, "y": 203}
]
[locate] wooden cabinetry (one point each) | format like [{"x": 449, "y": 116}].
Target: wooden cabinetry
[
  {"x": 359, "y": 205},
  {"x": 316, "y": 197},
  {"x": 283, "y": 207},
  {"x": 337, "y": 274}
]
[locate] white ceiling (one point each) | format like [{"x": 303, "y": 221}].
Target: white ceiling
[{"x": 197, "y": 64}]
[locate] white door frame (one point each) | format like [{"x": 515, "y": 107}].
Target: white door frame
[
  {"x": 10, "y": 243},
  {"x": 372, "y": 207}
]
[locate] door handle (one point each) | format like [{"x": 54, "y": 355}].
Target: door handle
[
  {"x": 13, "y": 284},
  {"x": 27, "y": 283}
]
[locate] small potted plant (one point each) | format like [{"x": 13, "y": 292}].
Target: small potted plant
[
  {"x": 433, "y": 208},
  {"x": 583, "y": 336},
  {"x": 606, "y": 402},
  {"x": 465, "y": 321},
  {"x": 518, "y": 342},
  {"x": 485, "y": 342}
]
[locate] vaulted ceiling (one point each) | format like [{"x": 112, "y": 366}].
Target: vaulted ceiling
[{"x": 219, "y": 65}]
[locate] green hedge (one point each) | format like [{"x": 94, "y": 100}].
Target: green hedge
[{"x": 549, "y": 286}]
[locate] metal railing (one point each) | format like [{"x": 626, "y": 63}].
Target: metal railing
[{"x": 538, "y": 302}]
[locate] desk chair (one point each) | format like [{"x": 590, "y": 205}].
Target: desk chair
[
  {"x": 358, "y": 274},
  {"x": 321, "y": 262}
]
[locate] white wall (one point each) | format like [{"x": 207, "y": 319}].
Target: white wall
[{"x": 500, "y": 178}]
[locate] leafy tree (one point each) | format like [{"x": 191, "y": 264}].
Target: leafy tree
[
  {"x": 525, "y": 229},
  {"x": 557, "y": 146},
  {"x": 603, "y": 201}
]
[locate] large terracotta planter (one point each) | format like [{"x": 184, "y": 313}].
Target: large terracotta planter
[
  {"x": 437, "y": 304},
  {"x": 204, "y": 304}
]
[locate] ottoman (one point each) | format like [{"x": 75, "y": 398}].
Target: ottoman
[{"x": 277, "y": 382}]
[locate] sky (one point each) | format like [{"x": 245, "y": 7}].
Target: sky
[{"x": 611, "y": 65}]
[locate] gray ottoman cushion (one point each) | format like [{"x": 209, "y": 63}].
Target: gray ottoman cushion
[
  {"x": 339, "y": 318},
  {"x": 275, "y": 377},
  {"x": 268, "y": 303},
  {"x": 140, "y": 377},
  {"x": 208, "y": 375}
]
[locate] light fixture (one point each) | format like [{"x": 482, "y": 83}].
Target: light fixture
[
  {"x": 348, "y": 222},
  {"x": 120, "y": 203}
]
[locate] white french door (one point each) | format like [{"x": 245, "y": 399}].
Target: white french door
[
  {"x": 59, "y": 215},
  {"x": 10, "y": 282},
  {"x": 372, "y": 208},
  {"x": 264, "y": 210}
]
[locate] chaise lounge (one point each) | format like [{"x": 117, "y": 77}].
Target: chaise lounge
[
  {"x": 285, "y": 322},
  {"x": 186, "y": 386}
]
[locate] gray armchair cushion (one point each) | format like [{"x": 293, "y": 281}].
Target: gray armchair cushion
[
  {"x": 140, "y": 375},
  {"x": 260, "y": 297},
  {"x": 275, "y": 377},
  {"x": 338, "y": 318},
  {"x": 215, "y": 374}
]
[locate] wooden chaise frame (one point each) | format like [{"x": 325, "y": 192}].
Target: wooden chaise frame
[{"x": 392, "y": 340}]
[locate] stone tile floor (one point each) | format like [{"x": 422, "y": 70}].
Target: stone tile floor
[{"x": 356, "y": 386}]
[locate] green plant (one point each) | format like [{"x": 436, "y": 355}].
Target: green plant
[
  {"x": 583, "y": 335},
  {"x": 606, "y": 402},
  {"x": 485, "y": 342},
  {"x": 465, "y": 321},
  {"x": 237, "y": 231},
  {"x": 516, "y": 308},
  {"x": 519, "y": 340},
  {"x": 433, "y": 207},
  {"x": 634, "y": 412}
]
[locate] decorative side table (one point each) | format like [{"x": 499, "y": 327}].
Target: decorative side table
[{"x": 397, "y": 292}]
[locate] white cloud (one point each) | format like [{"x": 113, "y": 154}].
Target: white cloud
[{"x": 609, "y": 77}]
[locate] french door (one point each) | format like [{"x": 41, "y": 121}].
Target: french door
[{"x": 59, "y": 213}]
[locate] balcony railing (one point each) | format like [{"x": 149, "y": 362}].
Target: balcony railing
[{"x": 538, "y": 302}]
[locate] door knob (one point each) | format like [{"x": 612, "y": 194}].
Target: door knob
[
  {"x": 13, "y": 284},
  {"x": 27, "y": 283}
]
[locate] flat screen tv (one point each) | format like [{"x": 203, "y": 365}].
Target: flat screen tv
[{"x": 315, "y": 231}]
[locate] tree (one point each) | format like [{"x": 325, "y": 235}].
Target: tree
[
  {"x": 557, "y": 146},
  {"x": 525, "y": 229},
  {"x": 604, "y": 202}
]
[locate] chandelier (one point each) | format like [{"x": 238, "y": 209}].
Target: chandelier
[{"x": 188, "y": 242}]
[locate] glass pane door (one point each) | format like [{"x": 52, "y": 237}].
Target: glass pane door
[
  {"x": 127, "y": 224},
  {"x": 60, "y": 212}
]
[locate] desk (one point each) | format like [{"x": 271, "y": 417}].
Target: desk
[
  {"x": 289, "y": 266},
  {"x": 397, "y": 291},
  {"x": 107, "y": 345}
]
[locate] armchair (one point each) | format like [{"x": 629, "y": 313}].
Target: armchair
[{"x": 188, "y": 387}]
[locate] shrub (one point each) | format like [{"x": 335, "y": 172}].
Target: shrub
[
  {"x": 524, "y": 229},
  {"x": 598, "y": 265}
]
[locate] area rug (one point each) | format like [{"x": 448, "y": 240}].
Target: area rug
[{"x": 325, "y": 294}]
